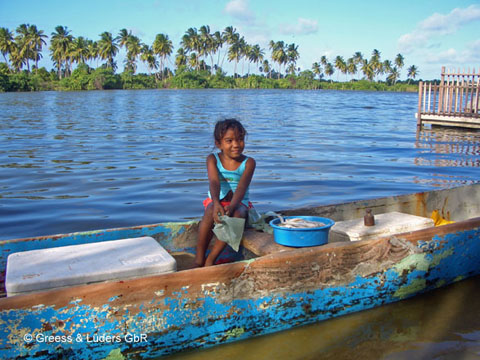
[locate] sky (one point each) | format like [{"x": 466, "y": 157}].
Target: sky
[{"x": 428, "y": 33}]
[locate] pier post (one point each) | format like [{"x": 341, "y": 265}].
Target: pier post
[{"x": 419, "y": 111}]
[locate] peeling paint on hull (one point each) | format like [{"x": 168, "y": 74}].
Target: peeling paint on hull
[{"x": 159, "y": 315}]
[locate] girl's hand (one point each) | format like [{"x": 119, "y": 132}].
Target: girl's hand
[
  {"x": 229, "y": 209},
  {"x": 217, "y": 211}
]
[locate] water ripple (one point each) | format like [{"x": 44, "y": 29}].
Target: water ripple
[{"x": 74, "y": 161}]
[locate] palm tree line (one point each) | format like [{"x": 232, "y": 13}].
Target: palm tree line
[
  {"x": 199, "y": 49},
  {"x": 371, "y": 68}
]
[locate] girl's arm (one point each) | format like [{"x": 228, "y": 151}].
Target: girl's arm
[
  {"x": 214, "y": 185},
  {"x": 242, "y": 185}
]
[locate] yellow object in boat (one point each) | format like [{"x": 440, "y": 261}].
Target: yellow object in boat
[{"x": 439, "y": 220}]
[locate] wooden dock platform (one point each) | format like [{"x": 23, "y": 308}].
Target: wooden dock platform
[{"x": 452, "y": 102}]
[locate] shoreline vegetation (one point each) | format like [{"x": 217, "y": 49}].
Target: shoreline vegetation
[{"x": 197, "y": 64}]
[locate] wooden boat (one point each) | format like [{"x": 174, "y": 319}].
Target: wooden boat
[{"x": 270, "y": 288}]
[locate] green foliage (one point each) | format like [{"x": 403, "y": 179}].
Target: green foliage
[
  {"x": 140, "y": 81},
  {"x": 255, "y": 82},
  {"x": 87, "y": 78},
  {"x": 104, "y": 79},
  {"x": 189, "y": 79},
  {"x": 20, "y": 81},
  {"x": 4, "y": 83},
  {"x": 79, "y": 79},
  {"x": 4, "y": 69},
  {"x": 221, "y": 81},
  {"x": 42, "y": 82},
  {"x": 24, "y": 50}
]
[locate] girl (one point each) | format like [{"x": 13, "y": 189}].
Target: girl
[{"x": 229, "y": 175}]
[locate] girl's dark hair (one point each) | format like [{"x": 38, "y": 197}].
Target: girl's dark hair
[{"x": 222, "y": 126}]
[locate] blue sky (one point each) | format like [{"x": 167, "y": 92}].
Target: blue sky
[{"x": 429, "y": 34}]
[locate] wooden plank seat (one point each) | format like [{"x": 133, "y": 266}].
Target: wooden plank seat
[{"x": 260, "y": 243}]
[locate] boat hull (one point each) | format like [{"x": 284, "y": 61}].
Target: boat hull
[{"x": 164, "y": 314}]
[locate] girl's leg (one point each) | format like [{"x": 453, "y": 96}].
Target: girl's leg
[
  {"x": 205, "y": 234},
  {"x": 240, "y": 212}
]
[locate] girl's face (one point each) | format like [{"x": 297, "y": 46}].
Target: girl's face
[{"x": 231, "y": 144}]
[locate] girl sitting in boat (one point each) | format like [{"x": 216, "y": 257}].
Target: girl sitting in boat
[{"x": 229, "y": 176}]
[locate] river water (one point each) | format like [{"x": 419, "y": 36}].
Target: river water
[{"x": 74, "y": 161}]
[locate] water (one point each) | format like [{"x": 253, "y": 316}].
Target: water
[{"x": 74, "y": 161}]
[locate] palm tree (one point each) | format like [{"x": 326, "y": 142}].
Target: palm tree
[
  {"x": 375, "y": 64},
  {"x": 80, "y": 51},
  {"x": 292, "y": 55},
  {"x": 229, "y": 36},
  {"x": 357, "y": 58},
  {"x": 60, "y": 46},
  {"x": 387, "y": 66},
  {"x": 324, "y": 60},
  {"x": 235, "y": 53},
  {"x": 162, "y": 46},
  {"x": 134, "y": 49},
  {"x": 192, "y": 44},
  {"x": 351, "y": 66},
  {"x": 256, "y": 55},
  {"x": 279, "y": 54},
  {"x": 149, "y": 58},
  {"x": 394, "y": 75},
  {"x": 92, "y": 50},
  {"x": 218, "y": 42},
  {"x": 193, "y": 61},
  {"x": 6, "y": 43},
  {"x": 340, "y": 65},
  {"x": 412, "y": 72},
  {"x": 207, "y": 42},
  {"x": 180, "y": 58},
  {"x": 266, "y": 68},
  {"x": 291, "y": 69},
  {"x": 123, "y": 37},
  {"x": 376, "y": 54},
  {"x": 317, "y": 69},
  {"x": 244, "y": 51},
  {"x": 329, "y": 70},
  {"x": 368, "y": 69},
  {"x": 108, "y": 48},
  {"x": 36, "y": 40},
  {"x": 16, "y": 60},
  {"x": 24, "y": 47},
  {"x": 399, "y": 61}
]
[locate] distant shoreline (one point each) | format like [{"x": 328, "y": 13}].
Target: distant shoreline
[{"x": 86, "y": 78}]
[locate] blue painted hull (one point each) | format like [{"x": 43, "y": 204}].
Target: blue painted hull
[{"x": 158, "y": 315}]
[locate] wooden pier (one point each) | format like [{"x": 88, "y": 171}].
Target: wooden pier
[{"x": 452, "y": 102}]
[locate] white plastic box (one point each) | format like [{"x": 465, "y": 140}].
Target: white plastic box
[
  {"x": 385, "y": 225},
  {"x": 46, "y": 269}
]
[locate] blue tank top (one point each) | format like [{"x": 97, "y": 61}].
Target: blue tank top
[{"x": 229, "y": 180}]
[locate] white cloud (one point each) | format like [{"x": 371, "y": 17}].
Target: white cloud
[
  {"x": 240, "y": 10},
  {"x": 302, "y": 27},
  {"x": 449, "y": 56},
  {"x": 452, "y": 57},
  {"x": 438, "y": 25}
]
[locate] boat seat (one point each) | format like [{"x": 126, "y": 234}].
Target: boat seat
[{"x": 260, "y": 243}]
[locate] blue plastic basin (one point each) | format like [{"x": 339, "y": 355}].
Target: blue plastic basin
[{"x": 301, "y": 237}]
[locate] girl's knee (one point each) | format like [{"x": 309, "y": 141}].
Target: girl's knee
[
  {"x": 208, "y": 214},
  {"x": 240, "y": 212}
]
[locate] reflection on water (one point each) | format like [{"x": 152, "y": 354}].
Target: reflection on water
[
  {"x": 443, "y": 324},
  {"x": 438, "y": 144}
]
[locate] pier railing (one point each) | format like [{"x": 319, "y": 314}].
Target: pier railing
[{"x": 452, "y": 102}]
